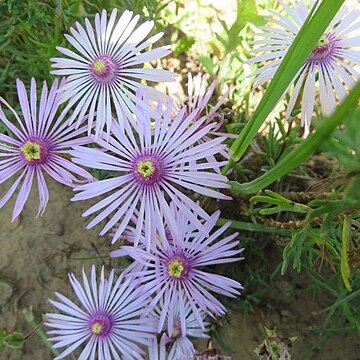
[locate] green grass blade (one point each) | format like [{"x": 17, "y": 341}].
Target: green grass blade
[
  {"x": 299, "y": 154},
  {"x": 304, "y": 43},
  {"x": 344, "y": 260},
  {"x": 247, "y": 226}
]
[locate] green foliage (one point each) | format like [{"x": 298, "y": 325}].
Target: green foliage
[
  {"x": 298, "y": 155},
  {"x": 183, "y": 45},
  {"x": 313, "y": 28},
  {"x": 344, "y": 263},
  {"x": 13, "y": 340},
  {"x": 345, "y": 143},
  {"x": 30, "y": 30},
  {"x": 246, "y": 12}
]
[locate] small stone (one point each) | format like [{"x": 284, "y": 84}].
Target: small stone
[
  {"x": 285, "y": 313},
  {"x": 59, "y": 229},
  {"x": 5, "y": 293},
  {"x": 45, "y": 277}
]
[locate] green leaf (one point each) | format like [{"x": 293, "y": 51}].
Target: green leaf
[
  {"x": 293, "y": 207},
  {"x": 183, "y": 45},
  {"x": 307, "y": 38},
  {"x": 15, "y": 340},
  {"x": 294, "y": 249},
  {"x": 2, "y": 345},
  {"x": 344, "y": 299},
  {"x": 208, "y": 64},
  {"x": 267, "y": 200},
  {"x": 344, "y": 259},
  {"x": 258, "y": 20},
  {"x": 299, "y": 154},
  {"x": 247, "y": 226},
  {"x": 246, "y": 12}
]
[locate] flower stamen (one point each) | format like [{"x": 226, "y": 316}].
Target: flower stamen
[
  {"x": 104, "y": 70},
  {"x": 96, "y": 328},
  {"x": 176, "y": 268},
  {"x": 145, "y": 168},
  {"x": 324, "y": 48},
  {"x": 35, "y": 151},
  {"x": 31, "y": 151},
  {"x": 99, "y": 66},
  {"x": 100, "y": 324},
  {"x": 176, "y": 331}
]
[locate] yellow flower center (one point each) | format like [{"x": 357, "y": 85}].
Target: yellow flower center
[
  {"x": 323, "y": 42},
  {"x": 145, "y": 168},
  {"x": 96, "y": 328},
  {"x": 175, "y": 268},
  {"x": 31, "y": 151},
  {"x": 99, "y": 66},
  {"x": 175, "y": 332}
]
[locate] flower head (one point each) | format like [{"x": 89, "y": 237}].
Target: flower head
[
  {"x": 174, "y": 270},
  {"x": 39, "y": 144},
  {"x": 198, "y": 99},
  {"x": 150, "y": 165},
  {"x": 104, "y": 72},
  {"x": 107, "y": 319},
  {"x": 175, "y": 340},
  {"x": 332, "y": 63}
]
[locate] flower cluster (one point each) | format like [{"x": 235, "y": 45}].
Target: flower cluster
[
  {"x": 150, "y": 169},
  {"x": 174, "y": 273},
  {"x": 158, "y": 155}
]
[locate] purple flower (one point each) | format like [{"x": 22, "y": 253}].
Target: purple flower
[
  {"x": 175, "y": 343},
  {"x": 198, "y": 99},
  {"x": 39, "y": 144},
  {"x": 108, "y": 319},
  {"x": 104, "y": 72},
  {"x": 332, "y": 63},
  {"x": 150, "y": 164},
  {"x": 174, "y": 270}
]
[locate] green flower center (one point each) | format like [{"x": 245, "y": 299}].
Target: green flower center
[
  {"x": 145, "y": 168},
  {"x": 323, "y": 42},
  {"x": 100, "y": 324},
  {"x": 175, "y": 268},
  {"x": 96, "y": 328},
  {"x": 99, "y": 66},
  {"x": 31, "y": 151},
  {"x": 175, "y": 332}
]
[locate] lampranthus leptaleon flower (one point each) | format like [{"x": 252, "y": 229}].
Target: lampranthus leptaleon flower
[
  {"x": 39, "y": 144},
  {"x": 175, "y": 341},
  {"x": 175, "y": 270},
  {"x": 107, "y": 319},
  {"x": 332, "y": 65},
  {"x": 104, "y": 72},
  {"x": 150, "y": 164},
  {"x": 199, "y": 96}
]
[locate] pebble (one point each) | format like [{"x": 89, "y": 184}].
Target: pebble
[
  {"x": 5, "y": 293},
  {"x": 285, "y": 313},
  {"x": 59, "y": 229}
]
